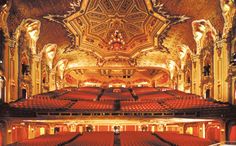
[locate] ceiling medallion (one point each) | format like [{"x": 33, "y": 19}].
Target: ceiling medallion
[{"x": 116, "y": 42}]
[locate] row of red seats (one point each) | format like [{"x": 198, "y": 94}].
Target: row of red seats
[
  {"x": 112, "y": 90},
  {"x": 38, "y": 103},
  {"x": 181, "y": 94},
  {"x": 151, "y": 106},
  {"x": 95, "y": 90},
  {"x": 93, "y": 106},
  {"x": 191, "y": 104},
  {"x": 183, "y": 139},
  {"x": 140, "y": 139},
  {"x": 51, "y": 94},
  {"x": 128, "y": 106},
  {"x": 117, "y": 96},
  {"x": 163, "y": 88},
  {"x": 94, "y": 139},
  {"x": 48, "y": 140},
  {"x": 155, "y": 96},
  {"x": 141, "y": 90},
  {"x": 79, "y": 95},
  {"x": 112, "y": 94}
]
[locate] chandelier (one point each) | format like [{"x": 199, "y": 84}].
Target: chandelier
[{"x": 116, "y": 42}]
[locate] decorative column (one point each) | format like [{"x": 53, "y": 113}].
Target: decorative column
[
  {"x": 51, "y": 128},
  {"x": 232, "y": 84},
  {"x": 196, "y": 75},
  {"x": 52, "y": 80},
  {"x": 33, "y": 30},
  {"x": 36, "y": 74},
  {"x": 204, "y": 36},
  {"x": 226, "y": 46},
  {"x": 202, "y": 130},
  {"x": 221, "y": 67},
  {"x": 4, "y": 12},
  {"x": 181, "y": 80},
  {"x": 6, "y": 127},
  {"x": 31, "y": 131}
]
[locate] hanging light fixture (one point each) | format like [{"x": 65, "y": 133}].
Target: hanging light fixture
[{"x": 116, "y": 42}]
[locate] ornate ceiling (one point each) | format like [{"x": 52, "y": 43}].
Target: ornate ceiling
[
  {"x": 141, "y": 24},
  {"x": 101, "y": 18},
  {"x": 153, "y": 30}
]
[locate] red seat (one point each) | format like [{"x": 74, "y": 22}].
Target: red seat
[
  {"x": 48, "y": 140},
  {"x": 94, "y": 139},
  {"x": 93, "y": 106},
  {"x": 183, "y": 139}
]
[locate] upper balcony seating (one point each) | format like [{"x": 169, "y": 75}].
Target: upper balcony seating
[
  {"x": 93, "y": 106},
  {"x": 129, "y": 106},
  {"x": 141, "y": 90},
  {"x": 79, "y": 95},
  {"x": 41, "y": 103},
  {"x": 155, "y": 96},
  {"x": 95, "y": 90},
  {"x": 183, "y": 139},
  {"x": 140, "y": 139},
  {"x": 195, "y": 103},
  {"x": 181, "y": 94},
  {"x": 94, "y": 139},
  {"x": 48, "y": 140},
  {"x": 163, "y": 88},
  {"x": 123, "y": 95},
  {"x": 51, "y": 94},
  {"x": 151, "y": 101}
]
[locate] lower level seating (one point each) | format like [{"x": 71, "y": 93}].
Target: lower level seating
[
  {"x": 94, "y": 139},
  {"x": 183, "y": 139},
  {"x": 48, "y": 140},
  {"x": 140, "y": 139},
  {"x": 125, "y": 138}
]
